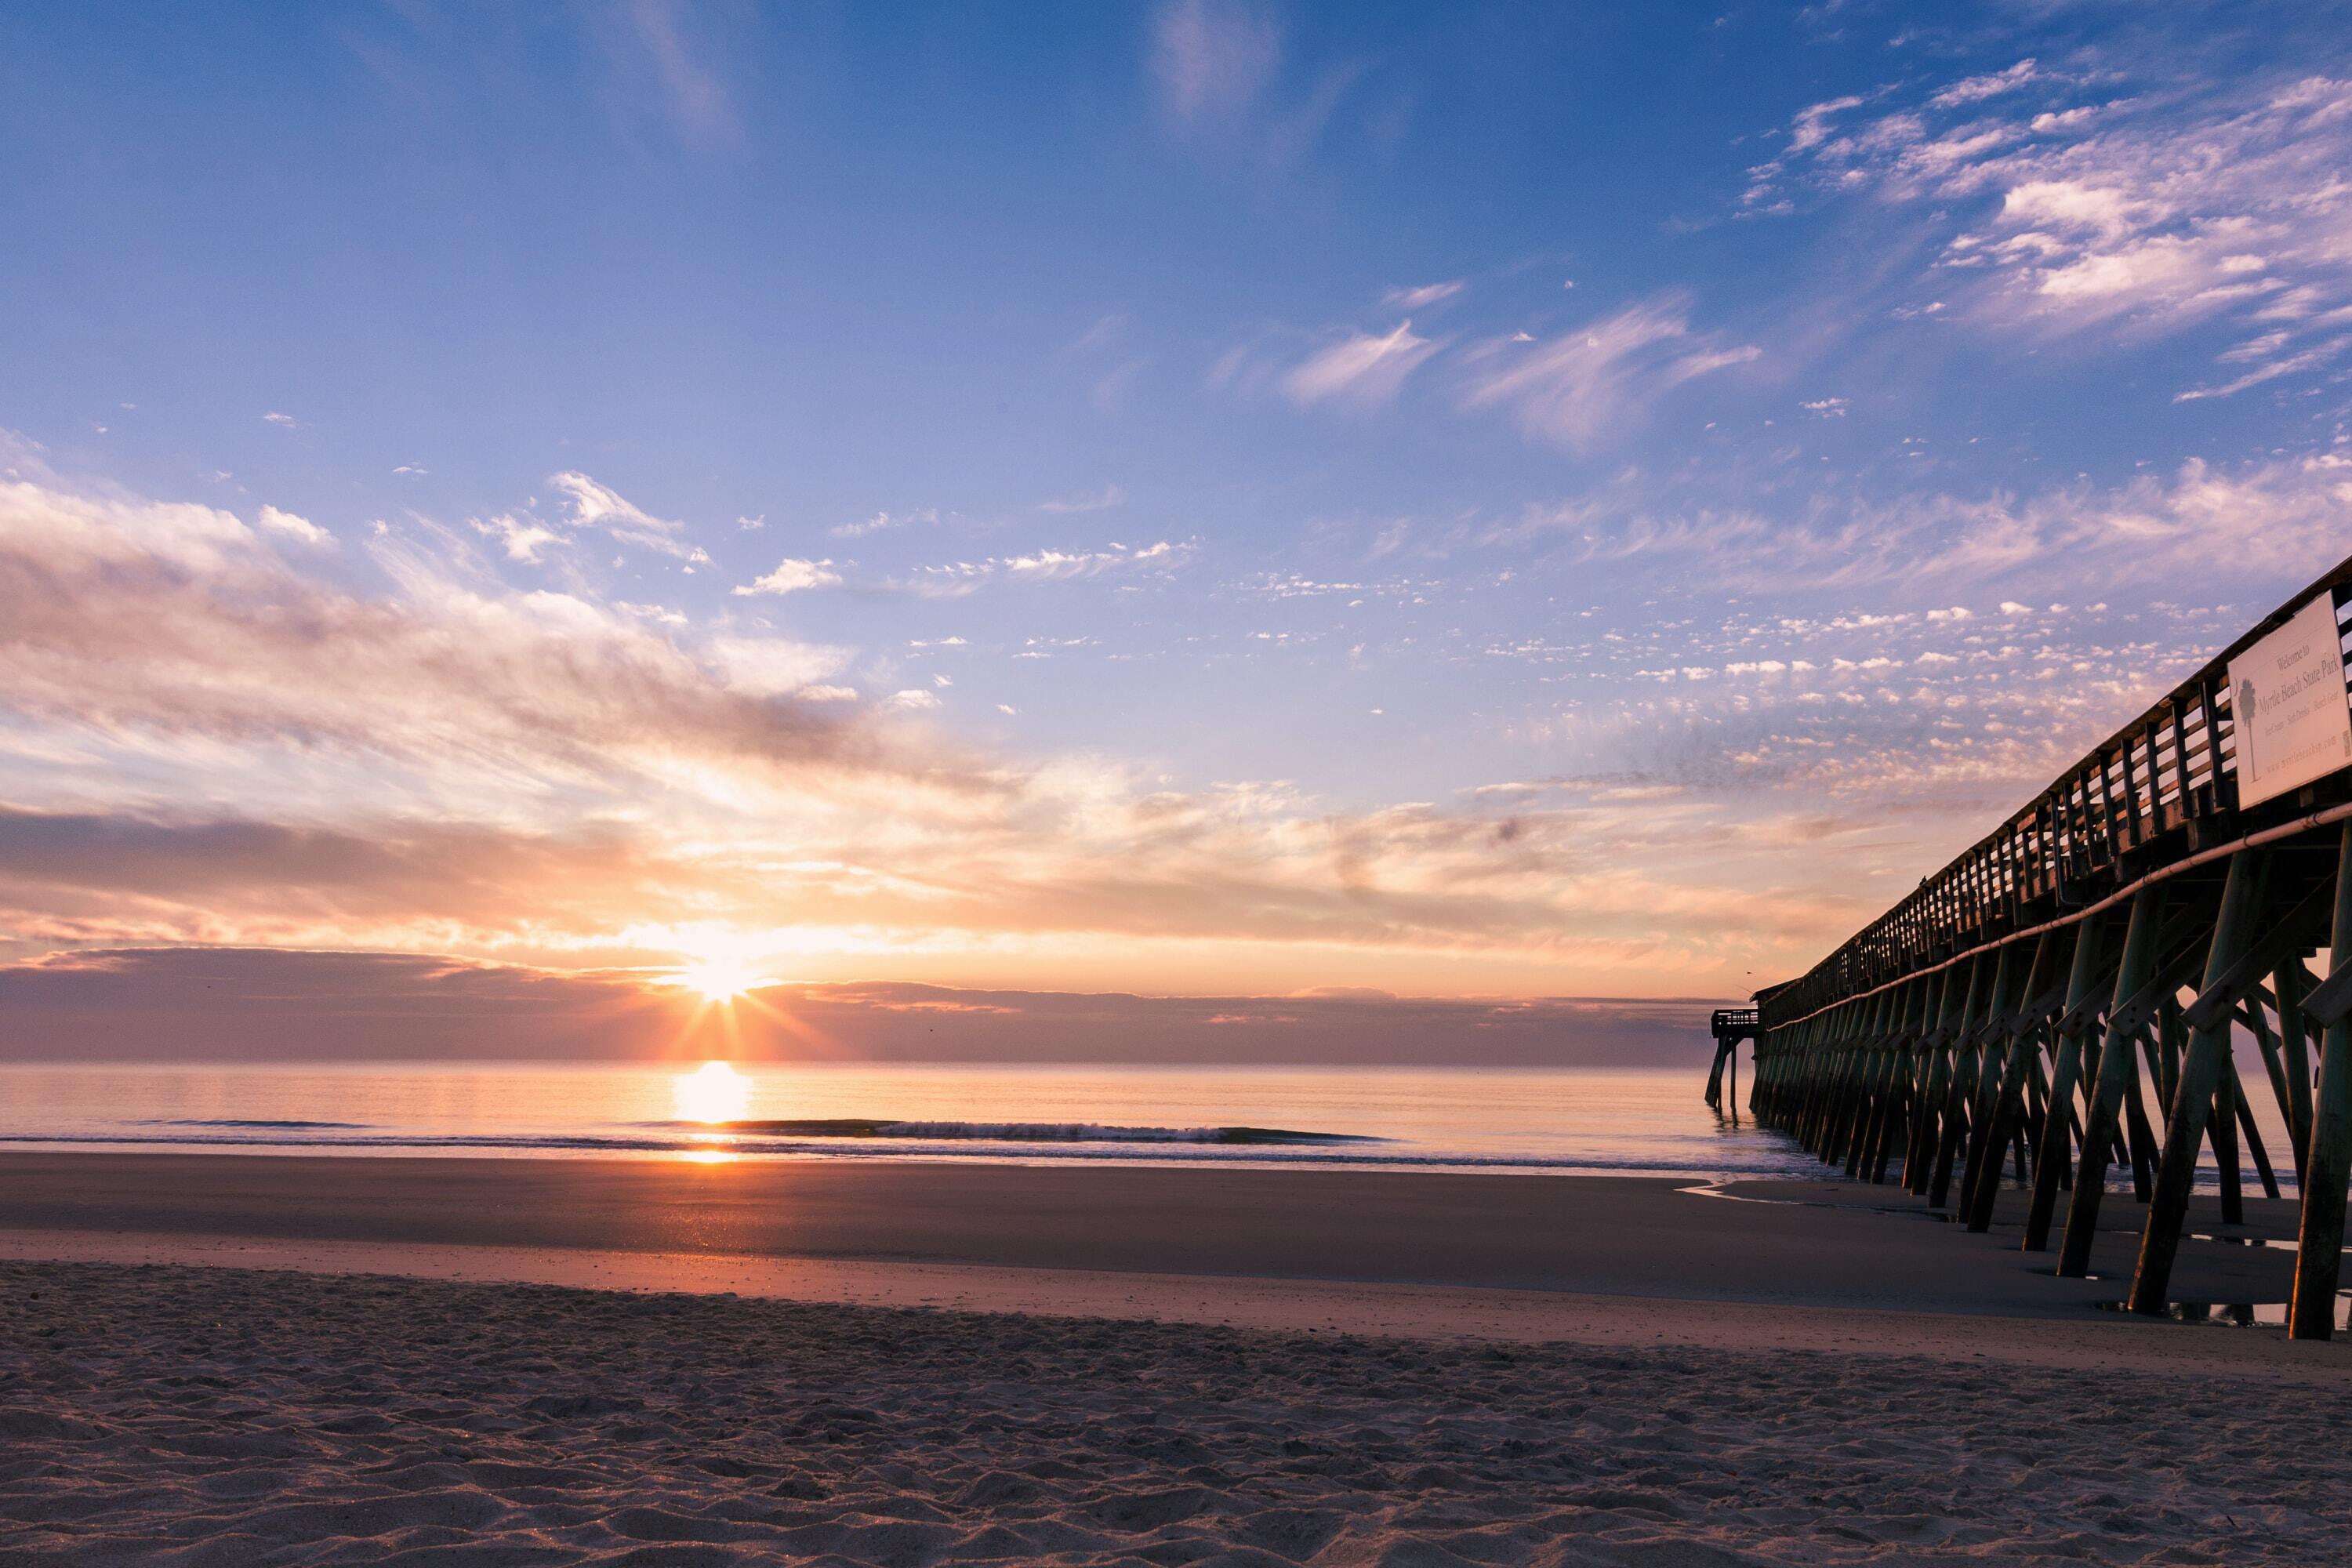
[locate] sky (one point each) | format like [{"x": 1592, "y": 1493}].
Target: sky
[{"x": 1201, "y": 500}]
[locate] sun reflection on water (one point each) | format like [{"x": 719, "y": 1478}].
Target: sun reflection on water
[{"x": 712, "y": 1093}]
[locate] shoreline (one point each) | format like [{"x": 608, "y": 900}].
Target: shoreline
[
  {"x": 1290, "y": 1307},
  {"x": 1813, "y": 1247}
]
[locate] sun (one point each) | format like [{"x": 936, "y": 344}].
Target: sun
[
  {"x": 713, "y": 1092},
  {"x": 719, "y": 979}
]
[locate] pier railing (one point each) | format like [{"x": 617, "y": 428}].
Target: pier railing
[{"x": 2065, "y": 994}]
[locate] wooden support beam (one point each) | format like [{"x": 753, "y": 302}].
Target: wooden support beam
[
  {"x": 2217, "y": 997},
  {"x": 2331, "y": 1000},
  {"x": 1900, "y": 1027},
  {"x": 2328, "y": 1163},
  {"x": 1960, "y": 982},
  {"x": 2006, "y": 1103},
  {"x": 2295, "y": 1056},
  {"x": 2086, "y": 977},
  {"x": 2107, "y": 1092},
  {"x": 2140, "y": 1149},
  {"x": 2254, "y": 1145},
  {"x": 2170, "y": 1040},
  {"x": 1870, "y": 1061},
  {"x": 2192, "y": 1099},
  {"x": 1966, "y": 1053},
  {"x": 2227, "y": 1169}
]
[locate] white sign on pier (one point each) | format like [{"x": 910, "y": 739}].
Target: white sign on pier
[{"x": 2288, "y": 705}]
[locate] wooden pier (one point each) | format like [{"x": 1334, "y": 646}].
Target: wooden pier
[{"x": 2066, "y": 999}]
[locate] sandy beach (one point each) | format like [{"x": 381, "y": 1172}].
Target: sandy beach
[
  {"x": 220, "y": 1415},
  {"x": 243, "y": 1360}
]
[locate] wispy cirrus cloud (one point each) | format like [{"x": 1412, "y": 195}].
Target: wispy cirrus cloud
[
  {"x": 1102, "y": 499},
  {"x": 1423, "y": 297},
  {"x": 1362, "y": 368},
  {"x": 1990, "y": 84},
  {"x": 1211, "y": 57},
  {"x": 2271, "y": 364},
  {"x": 1572, "y": 388},
  {"x": 599, "y": 506},
  {"x": 660, "y": 57}
]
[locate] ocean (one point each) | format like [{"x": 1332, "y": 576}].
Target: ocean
[{"x": 1551, "y": 1120}]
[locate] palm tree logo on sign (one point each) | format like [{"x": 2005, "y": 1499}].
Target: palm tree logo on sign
[{"x": 2246, "y": 705}]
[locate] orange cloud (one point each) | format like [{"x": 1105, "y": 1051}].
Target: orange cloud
[{"x": 452, "y": 765}]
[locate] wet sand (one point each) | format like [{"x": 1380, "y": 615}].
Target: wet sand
[
  {"x": 1820, "y": 1245},
  {"x": 394, "y": 1361}
]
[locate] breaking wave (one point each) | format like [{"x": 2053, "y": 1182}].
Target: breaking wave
[
  {"x": 1024, "y": 1131},
  {"x": 1206, "y": 1146},
  {"x": 252, "y": 1124}
]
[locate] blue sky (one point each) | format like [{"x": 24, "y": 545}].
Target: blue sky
[{"x": 1475, "y": 498}]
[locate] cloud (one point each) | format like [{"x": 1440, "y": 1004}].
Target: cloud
[
  {"x": 775, "y": 667},
  {"x": 1360, "y": 368},
  {"x": 446, "y": 766},
  {"x": 293, "y": 527},
  {"x": 1101, "y": 501},
  {"x": 1976, "y": 88},
  {"x": 882, "y": 521},
  {"x": 593, "y": 505},
  {"x": 2264, "y": 522},
  {"x": 522, "y": 537},
  {"x": 656, "y": 56},
  {"x": 2139, "y": 217},
  {"x": 953, "y": 580},
  {"x": 790, "y": 576},
  {"x": 1109, "y": 393},
  {"x": 283, "y": 421},
  {"x": 1812, "y": 127},
  {"x": 1573, "y": 389},
  {"x": 164, "y": 641},
  {"x": 1424, "y": 297},
  {"x": 1211, "y": 57},
  {"x": 2312, "y": 358},
  {"x": 914, "y": 699},
  {"x": 1105, "y": 331}
]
